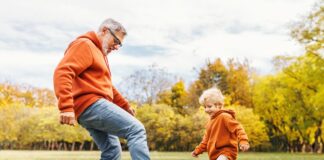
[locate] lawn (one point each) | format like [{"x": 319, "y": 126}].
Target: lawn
[{"x": 62, "y": 155}]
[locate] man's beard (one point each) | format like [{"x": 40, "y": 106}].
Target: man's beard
[{"x": 105, "y": 47}]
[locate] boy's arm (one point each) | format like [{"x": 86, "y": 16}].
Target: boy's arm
[
  {"x": 202, "y": 147},
  {"x": 235, "y": 127}
]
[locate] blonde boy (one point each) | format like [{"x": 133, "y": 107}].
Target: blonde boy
[{"x": 223, "y": 132}]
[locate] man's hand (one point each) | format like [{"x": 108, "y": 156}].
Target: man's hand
[
  {"x": 131, "y": 111},
  {"x": 194, "y": 154},
  {"x": 244, "y": 147},
  {"x": 67, "y": 118}
]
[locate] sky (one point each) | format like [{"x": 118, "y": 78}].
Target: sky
[{"x": 176, "y": 35}]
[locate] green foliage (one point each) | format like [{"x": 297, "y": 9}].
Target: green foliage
[
  {"x": 310, "y": 31},
  {"x": 238, "y": 83},
  {"x": 178, "y": 96},
  {"x": 30, "y": 96},
  {"x": 164, "y": 97},
  {"x": 159, "y": 123},
  {"x": 167, "y": 130},
  {"x": 291, "y": 101},
  {"x": 213, "y": 74},
  {"x": 171, "y": 131},
  {"x": 232, "y": 80},
  {"x": 22, "y": 126}
]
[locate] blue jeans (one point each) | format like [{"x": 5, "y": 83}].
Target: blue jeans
[{"x": 106, "y": 122}]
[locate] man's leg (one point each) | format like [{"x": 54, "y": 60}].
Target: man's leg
[
  {"x": 108, "y": 144},
  {"x": 109, "y": 118}
]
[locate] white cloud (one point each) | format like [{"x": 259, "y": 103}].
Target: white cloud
[
  {"x": 28, "y": 67},
  {"x": 184, "y": 33}
]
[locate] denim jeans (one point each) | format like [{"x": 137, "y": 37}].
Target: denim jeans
[{"x": 106, "y": 122}]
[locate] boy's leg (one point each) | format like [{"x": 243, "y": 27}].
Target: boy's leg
[
  {"x": 222, "y": 157},
  {"x": 109, "y": 118}
]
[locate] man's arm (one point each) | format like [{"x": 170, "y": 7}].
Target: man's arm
[
  {"x": 77, "y": 58},
  {"x": 122, "y": 102}
]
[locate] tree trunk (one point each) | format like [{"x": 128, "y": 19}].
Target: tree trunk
[
  {"x": 91, "y": 146},
  {"x": 73, "y": 145},
  {"x": 320, "y": 149},
  {"x": 53, "y": 145},
  {"x": 65, "y": 147},
  {"x": 81, "y": 146},
  {"x": 303, "y": 148},
  {"x": 49, "y": 145},
  {"x": 60, "y": 146},
  {"x": 44, "y": 145}
]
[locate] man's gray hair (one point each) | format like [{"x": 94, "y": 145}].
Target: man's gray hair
[{"x": 113, "y": 26}]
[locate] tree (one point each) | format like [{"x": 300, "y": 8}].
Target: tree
[
  {"x": 213, "y": 74},
  {"x": 286, "y": 103},
  {"x": 169, "y": 131},
  {"x": 310, "y": 31},
  {"x": 238, "y": 83},
  {"x": 9, "y": 128},
  {"x": 178, "y": 97},
  {"x": 158, "y": 121},
  {"x": 144, "y": 85},
  {"x": 31, "y": 96},
  {"x": 232, "y": 80}
]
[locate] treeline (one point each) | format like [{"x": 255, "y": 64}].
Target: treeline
[
  {"x": 37, "y": 128},
  {"x": 283, "y": 111},
  {"x": 25, "y": 127}
]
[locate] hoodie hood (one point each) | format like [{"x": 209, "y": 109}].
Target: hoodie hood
[
  {"x": 229, "y": 111},
  {"x": 93, "y": 37}
]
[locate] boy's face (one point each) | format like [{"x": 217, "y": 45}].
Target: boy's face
[{"x": 212, "y": 108}]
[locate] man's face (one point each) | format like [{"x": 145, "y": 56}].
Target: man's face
[
  {"x": 112, "y": 41},
  {"x": 212, "y": 108}
]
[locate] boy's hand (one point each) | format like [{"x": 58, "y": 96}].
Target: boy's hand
[
  {"x": 244, "y": 147},
  {"x": 194, "y": 154}
]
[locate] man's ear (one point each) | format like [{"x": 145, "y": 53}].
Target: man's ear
[{"x": 104, "y": 30}]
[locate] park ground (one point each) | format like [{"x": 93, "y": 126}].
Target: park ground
[{"x": 93, "y": 155}]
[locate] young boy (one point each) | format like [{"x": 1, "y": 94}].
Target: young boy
[{"x": 223, "y": 131}]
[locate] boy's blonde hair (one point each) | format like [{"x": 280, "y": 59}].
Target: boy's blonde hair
[{"x": 212, "y": 95}]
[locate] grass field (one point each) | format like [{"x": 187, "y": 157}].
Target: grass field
[{"x": 62, "y": 155}]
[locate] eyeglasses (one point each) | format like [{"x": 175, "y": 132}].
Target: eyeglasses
[{"x": 116, "y": 40}]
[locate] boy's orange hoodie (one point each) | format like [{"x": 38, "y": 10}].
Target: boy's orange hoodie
[
  {"x": 223, "y": 132},
  {"x": 83, "y": 76}
]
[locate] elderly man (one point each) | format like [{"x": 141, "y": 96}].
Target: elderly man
[{"x": 83, "y": 86}]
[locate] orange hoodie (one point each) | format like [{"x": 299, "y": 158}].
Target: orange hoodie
[
  {"x": 222, "y": 135},
  {"x": 83, "y": 76}
]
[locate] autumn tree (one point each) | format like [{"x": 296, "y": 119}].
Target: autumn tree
[{"x": 144, "y": 85}]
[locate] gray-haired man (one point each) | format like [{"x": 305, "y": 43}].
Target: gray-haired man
[{"x": 83, "y": 86}]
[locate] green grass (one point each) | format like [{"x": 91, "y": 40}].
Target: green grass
[{"x": 63, "y": 155}]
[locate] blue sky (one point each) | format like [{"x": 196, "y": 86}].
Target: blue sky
[{"x": 177, "y": 35}]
